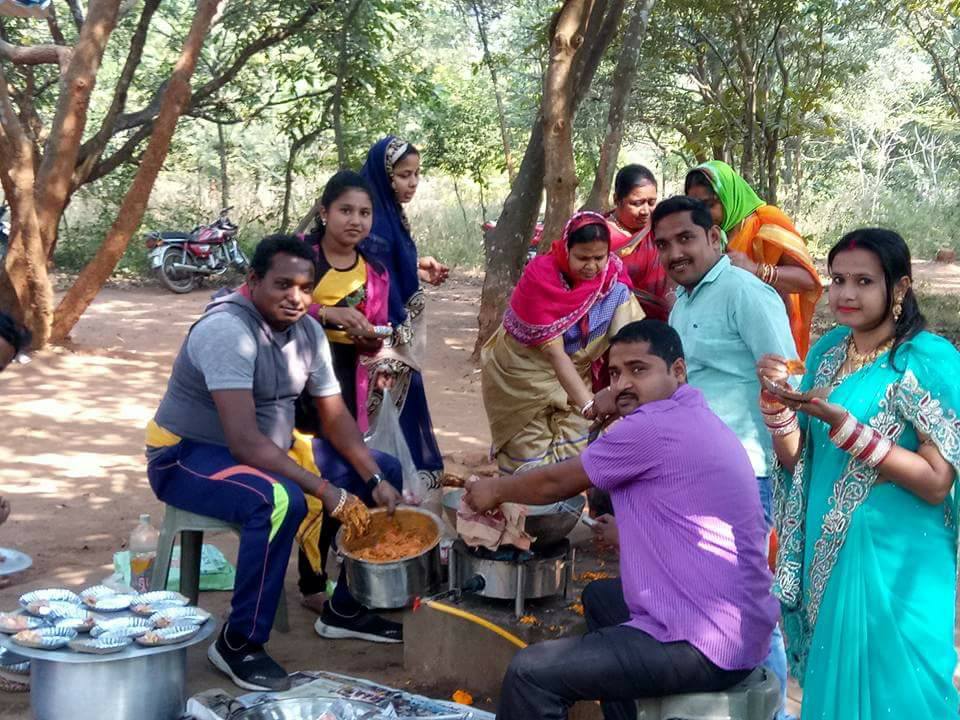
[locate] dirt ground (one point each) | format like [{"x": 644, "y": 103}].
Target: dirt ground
[{"x": 71, "y": 453}]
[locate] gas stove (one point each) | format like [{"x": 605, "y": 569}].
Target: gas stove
[{"x": 512, "y": 574}]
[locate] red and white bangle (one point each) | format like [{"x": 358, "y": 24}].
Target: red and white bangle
[
  {"x": 843, "y": 433},
  {"x": 779, "y": 419},
  {"x": 866, "y": 444}
]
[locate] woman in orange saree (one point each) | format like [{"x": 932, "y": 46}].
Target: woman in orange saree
[{"x": 761, "y": 239}]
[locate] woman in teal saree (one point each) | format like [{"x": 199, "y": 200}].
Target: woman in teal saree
[{"x": 869, "y": 448}]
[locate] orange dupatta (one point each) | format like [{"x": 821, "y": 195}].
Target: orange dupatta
[{"x": 765, "y": 236}]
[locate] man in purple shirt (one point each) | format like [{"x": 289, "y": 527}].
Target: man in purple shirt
[{"x": 692, "y": 611}]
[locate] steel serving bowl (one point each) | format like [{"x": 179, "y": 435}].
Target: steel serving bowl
[
  {"x": 310, "y": 709},
  {"x": 394, "y": 584},
  {"x": 547, "y": 523}
]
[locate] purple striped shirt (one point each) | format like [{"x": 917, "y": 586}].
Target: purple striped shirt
[{"x": 693, "y": 556}]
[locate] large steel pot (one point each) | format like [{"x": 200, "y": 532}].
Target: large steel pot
[
  {"x": 309, "y": 709},
  {"x": 549, "y": 524},
  {"x": 392, "y": 585}
]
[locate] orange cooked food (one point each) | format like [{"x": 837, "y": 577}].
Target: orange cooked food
[
  {"x": 387, "y": 539},
  {"x": 355, "y": 518},
  {"x": 796, "y": 367}
]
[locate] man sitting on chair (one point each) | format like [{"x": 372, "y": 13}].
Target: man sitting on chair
[
  {"x": 218, "y": 443},
  {"x": 692, "y": 611}
]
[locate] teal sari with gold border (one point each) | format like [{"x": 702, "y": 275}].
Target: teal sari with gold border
[{"x": 866, "y": 571}]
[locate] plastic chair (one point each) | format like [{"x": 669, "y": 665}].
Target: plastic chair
[
  {"x": 191, "y": 528},
  {"x": 755, "y": 698}
]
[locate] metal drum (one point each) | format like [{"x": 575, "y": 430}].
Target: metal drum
[{"x": 152, "y": 687}]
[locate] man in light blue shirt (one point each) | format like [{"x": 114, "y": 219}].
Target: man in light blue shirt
[{"x": 727, "y": 319}]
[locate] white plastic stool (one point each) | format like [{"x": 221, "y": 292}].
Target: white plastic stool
[
  {"x": 191, "y": 527},
  {"x": 755, "y": 698}
]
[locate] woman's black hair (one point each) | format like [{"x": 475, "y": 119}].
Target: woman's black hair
[
  {"x": 589, "y": 233},
  {"x": 340, "y": 182},
  {"x": 410, "y": 150},
  {"x": 629, "y": 177},
  {"x": 18, "y": 337},
  {"x": 698, "y": 178},
  {"x": 894, "y": 256}
]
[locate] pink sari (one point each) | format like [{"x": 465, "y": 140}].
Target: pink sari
[{"x": 545, "y": 304}]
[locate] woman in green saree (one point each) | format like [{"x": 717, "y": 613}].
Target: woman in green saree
[{"x": 869, "y": 448}]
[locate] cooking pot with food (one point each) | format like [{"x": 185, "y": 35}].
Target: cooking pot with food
[{"x": 396, "y": 560}]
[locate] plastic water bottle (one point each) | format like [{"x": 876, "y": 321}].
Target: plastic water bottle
[{"x": 143, "y": 553}]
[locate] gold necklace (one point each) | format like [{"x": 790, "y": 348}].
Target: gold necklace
[{"x": 857, "y": 360}]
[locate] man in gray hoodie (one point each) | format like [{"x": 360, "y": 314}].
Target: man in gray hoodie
[{"x": 218, "y": 443}]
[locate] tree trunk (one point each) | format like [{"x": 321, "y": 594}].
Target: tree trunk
[
  {"x": 342, "y": 70},
  {"x": 623, "y": 78},
  {"x": 506, "y": 245},
  {"x": 560, "y": 176},
  {"x": 488, "y": 61},
  {"x": 175, "y": 99},
  {"x": 224, "y": 177},
  {"x": 298, "y": 145},
  {"x": 54, "y": 179},
  {"x": 463, "y": 210}
]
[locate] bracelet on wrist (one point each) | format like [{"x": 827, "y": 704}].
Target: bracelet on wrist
[
  {"x": 340, "y": 503},
  {"x": 587, "y": 407},
  {"x": 866, "y": 444}
]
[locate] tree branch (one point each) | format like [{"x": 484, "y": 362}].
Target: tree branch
[
  {"x": 123, "y": 154},
  {"x": 76, "y": 11},
  {"x": 92, "y": 150},
  {"x": 138, "y": 119},
  {"x": 35, "y": 54},
  {"x": 53, "y": 182}
]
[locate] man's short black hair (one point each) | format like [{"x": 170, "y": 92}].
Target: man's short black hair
[
  {"x": 699, "y": 213},
  {"x": 663, "y": 339},
  {"x": 19, "y": 337},
  {"x": 275, "y": 244}
]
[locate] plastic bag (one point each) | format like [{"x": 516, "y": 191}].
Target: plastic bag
[{"x": 386, "y": 436}]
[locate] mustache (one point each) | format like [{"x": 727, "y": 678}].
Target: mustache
[
  {"x": 673, "y": 263},
  {"x": 626, "y": 394}
]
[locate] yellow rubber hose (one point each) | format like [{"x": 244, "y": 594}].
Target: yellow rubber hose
[{"x": 457, "y": 612}]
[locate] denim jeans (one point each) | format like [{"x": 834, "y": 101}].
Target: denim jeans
[{"x": 776, "y": 661}]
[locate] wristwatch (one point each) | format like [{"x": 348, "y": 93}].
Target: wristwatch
[{"x": 374, "y": 481}]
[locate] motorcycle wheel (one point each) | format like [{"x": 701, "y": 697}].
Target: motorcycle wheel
[
  {"x": 172, "y": 279},
  {"x": 242, "y": 263}
]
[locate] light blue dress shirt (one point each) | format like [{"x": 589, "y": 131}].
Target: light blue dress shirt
[{"x": 727, "y": 323}]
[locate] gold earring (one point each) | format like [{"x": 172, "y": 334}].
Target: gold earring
[{"x": 897, "y": 309}]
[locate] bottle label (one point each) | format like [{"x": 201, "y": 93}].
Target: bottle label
[{"x": 141, "y": 570}]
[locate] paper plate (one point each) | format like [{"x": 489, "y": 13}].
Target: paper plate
[{"x": 12, "y": 561}]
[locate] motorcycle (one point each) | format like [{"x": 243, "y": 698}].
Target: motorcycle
[
  {"x": 4, "y": 232},
  {"x": 181, "y": 260}
]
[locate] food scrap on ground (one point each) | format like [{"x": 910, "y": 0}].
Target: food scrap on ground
[
  {"x": 528, "y": 620},
  {"x": 462, "y": 697},
  {"x": 577, "y": 607},
  {"x": 590, "y": 576}
]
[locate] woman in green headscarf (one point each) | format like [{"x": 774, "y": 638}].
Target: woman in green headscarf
[{"x": 760, "y": 239}]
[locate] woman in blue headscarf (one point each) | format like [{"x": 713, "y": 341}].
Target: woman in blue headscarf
[{"x": 393, "y": 171}]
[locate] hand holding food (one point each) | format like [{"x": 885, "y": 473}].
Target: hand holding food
[{"x": 353, "y": 514}]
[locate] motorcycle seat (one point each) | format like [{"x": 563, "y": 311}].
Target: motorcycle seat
[{"x": 175, "y": 235}]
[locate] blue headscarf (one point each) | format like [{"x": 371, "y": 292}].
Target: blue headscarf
[{"x": 390, "y": 242}]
